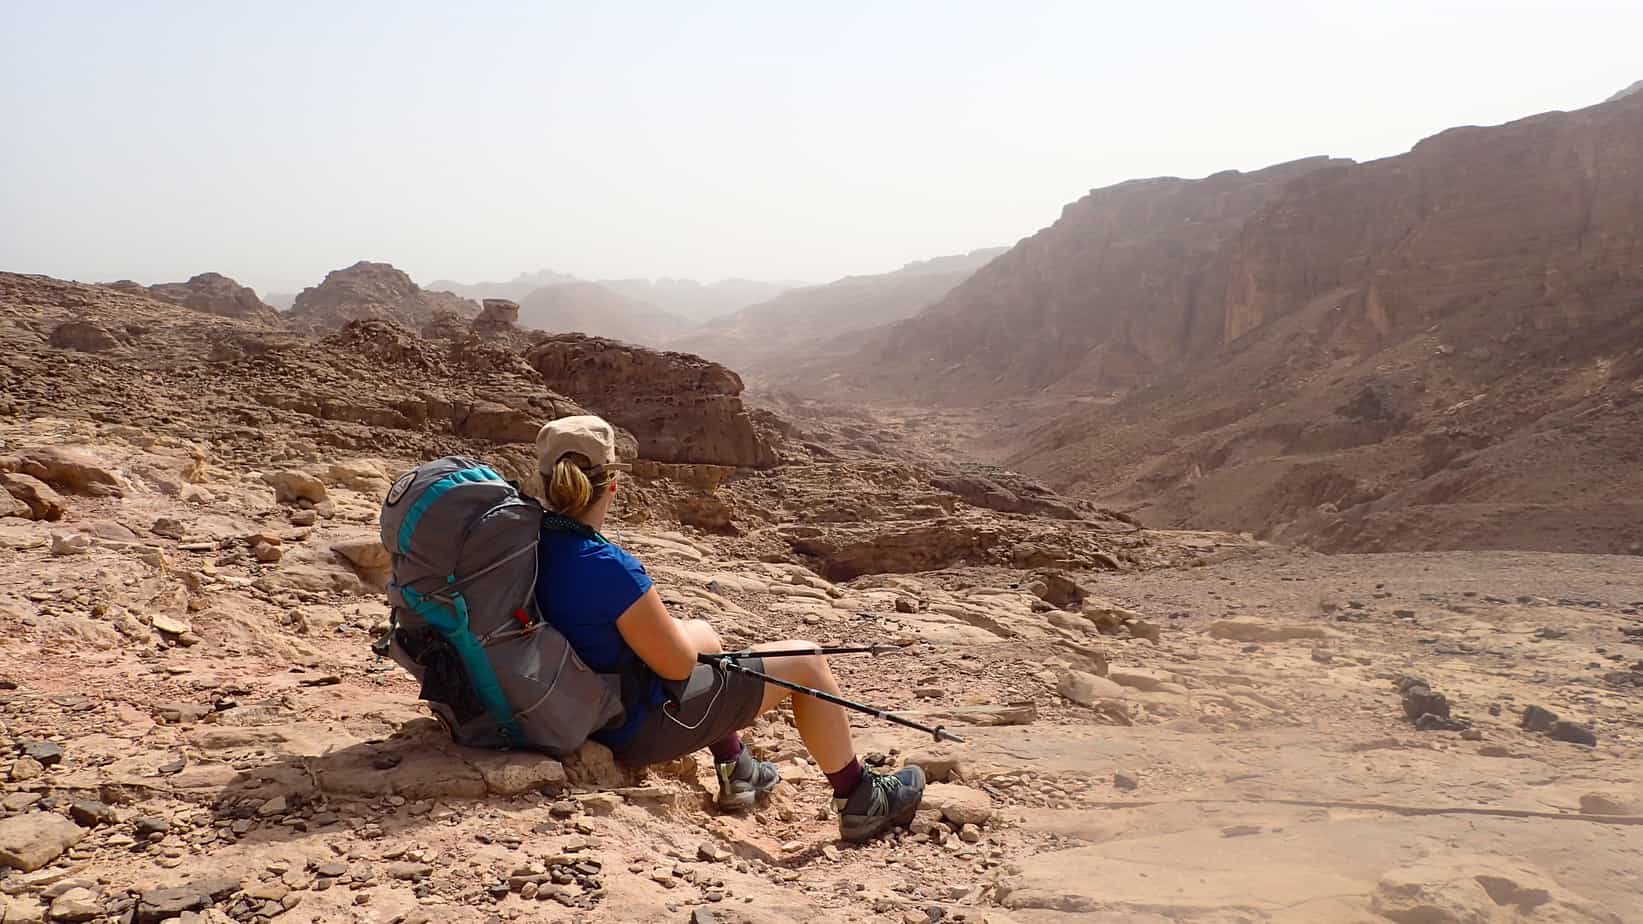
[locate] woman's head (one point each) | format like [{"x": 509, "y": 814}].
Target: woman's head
[{"x": 577, "y": 458}]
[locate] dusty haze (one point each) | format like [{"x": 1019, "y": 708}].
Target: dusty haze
[{"x": 274, "y": 145}]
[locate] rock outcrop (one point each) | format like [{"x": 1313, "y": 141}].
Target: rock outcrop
[
  {"x": 681, "y": 408},
  {"x": 214, "y": 293},
  {"x": 373, "y": 292},
  {"x": 496, "y": 316}
]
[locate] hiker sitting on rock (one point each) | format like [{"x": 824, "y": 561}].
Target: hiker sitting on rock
[{"x": 600, "y": 598}]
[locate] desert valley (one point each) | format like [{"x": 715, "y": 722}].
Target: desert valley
[{"x": 1274, "y": 540}]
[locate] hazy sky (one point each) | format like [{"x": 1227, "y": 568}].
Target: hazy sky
[{"x": 276, "y": 141}]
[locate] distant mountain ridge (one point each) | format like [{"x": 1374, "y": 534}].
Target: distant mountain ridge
[{"x": 801, "y": 325}]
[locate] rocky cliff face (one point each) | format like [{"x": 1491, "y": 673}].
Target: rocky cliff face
[
  {"x": 681, "y": 408},
  {"x": 1104, "y": 296},
  {"x": 1435, "y": 350},
  {"x": 212, "y": 293},
  {"x": 372, "y": 291}
]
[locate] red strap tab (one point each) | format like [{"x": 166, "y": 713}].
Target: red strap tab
[{"x": 523, "y": 617}]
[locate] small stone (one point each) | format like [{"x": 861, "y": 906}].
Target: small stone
[
  {"x": 969, "y": 834},
  {"x": 1125, "y": 781},
  {"x": 830, "y": 852},
  {"x": 712, "y": 853},
  {"x": 267, "y": 553},
  {"x": 48, "y": 753},
  {"x": 24, "y": 769},
  {"x": 702, "y": 916},
  {"x": 274, "y": 806},
  {"x": 303, "y": 518},
  {"x": 1471, "y": 734},
  {"x": 563, "y": 809},
  {"x": 1323, "y": 656},
  {"x": 906, "y": 605},
  {"x": 90, "y": 814},
  {"x": 409, "y": 872}
]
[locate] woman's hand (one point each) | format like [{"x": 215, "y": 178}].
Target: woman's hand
[{"x": 662, "y": 642}]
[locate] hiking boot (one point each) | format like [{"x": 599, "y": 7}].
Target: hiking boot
[
  {"x": 880, "y": 802},
  {"x": 743, "y": 780}
]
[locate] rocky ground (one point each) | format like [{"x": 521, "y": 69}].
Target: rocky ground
[{"x": 1159, "y": 726}]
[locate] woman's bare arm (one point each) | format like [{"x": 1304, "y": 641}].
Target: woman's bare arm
[{"x": 657, "y": 638}]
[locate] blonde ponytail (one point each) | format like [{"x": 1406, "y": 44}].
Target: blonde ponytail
[{"x": 570, "y": 489}]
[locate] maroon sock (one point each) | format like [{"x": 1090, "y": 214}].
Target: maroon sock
[
  {"x": 847, "y": 779},
  {"x": 727, "y": 748}
]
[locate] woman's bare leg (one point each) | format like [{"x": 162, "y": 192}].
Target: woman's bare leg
[{"x": 823, "y": 726}]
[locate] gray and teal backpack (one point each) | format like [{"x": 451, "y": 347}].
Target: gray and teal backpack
[{"x": 465, "y": 620}]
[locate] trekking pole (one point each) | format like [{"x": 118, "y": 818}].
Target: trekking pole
[
  {"x": 730, "y": 663},
  {"x": 801, "y": 652}
]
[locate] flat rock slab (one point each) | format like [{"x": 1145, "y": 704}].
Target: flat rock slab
[{"x": 28, "y": 842}]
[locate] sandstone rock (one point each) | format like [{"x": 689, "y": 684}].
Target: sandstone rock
[
  {"x": 28, "y": 842},
  {"x": 510, "y": 774},
  {"x": 939, "y": 764},
  {"x": 266, "y": 553},
  {"x": 681, "y": 408},
  {"x": 960, "y": 805},
  {"x": 71, "y": 468},
  {"x": 1597, "y": 803},
  {"x": 367, "y": 556},
  {"x": 63, "y": 544},
  {"x": 39, "y": 500},
  {"x": 90, "y": 814},
  {"x": 83, "y": 336},
  {"x": 1087, "y": 689},
  {"x": 1139, "y": 678},
  {"x": 1260, "y": 630},
  {"x": 24, "y": 769},
  {"x": 292, "y": 486},
  {"x": 76, "y": 905},
  {"x": 12, "y": 507},
  {"x": 594, "y": 766}
]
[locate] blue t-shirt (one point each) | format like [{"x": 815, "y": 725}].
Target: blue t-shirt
[{"x": 583, "y": 586}]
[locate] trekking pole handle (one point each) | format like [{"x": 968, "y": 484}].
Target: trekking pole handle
[{"x": 938, "y": 732}]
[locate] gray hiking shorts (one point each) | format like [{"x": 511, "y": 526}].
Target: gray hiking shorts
[{"x": 713, "y": 703}]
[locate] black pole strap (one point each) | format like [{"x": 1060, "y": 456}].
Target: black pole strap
[{"x": 938, "y": 732}]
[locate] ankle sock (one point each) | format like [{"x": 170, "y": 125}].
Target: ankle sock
[
  {"x": 726, "y": 749},
  {"x": 847, "y": 779}
]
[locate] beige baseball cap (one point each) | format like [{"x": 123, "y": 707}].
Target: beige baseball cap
[{"x": 591, "y": 437}]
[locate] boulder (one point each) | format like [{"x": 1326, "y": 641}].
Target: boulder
[
  {"x": 12, "y": 507},
  {"x": 71, "y": 468},
  {"x": 291, "y": 486},
  {"x": 367, "y": 556},
  {"x": 1087, "y": 689},
  {"x": 595, "y": 767},
  {"x": 83, "y": 336},
  {"x": 28, "y": 842},
  {"x": 496, "y": 316}
]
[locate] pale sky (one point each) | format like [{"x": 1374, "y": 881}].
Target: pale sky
[{"x": 276, "y": 141}]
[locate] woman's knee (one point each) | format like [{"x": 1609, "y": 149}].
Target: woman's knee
[{"x": 701, "y": 632}]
